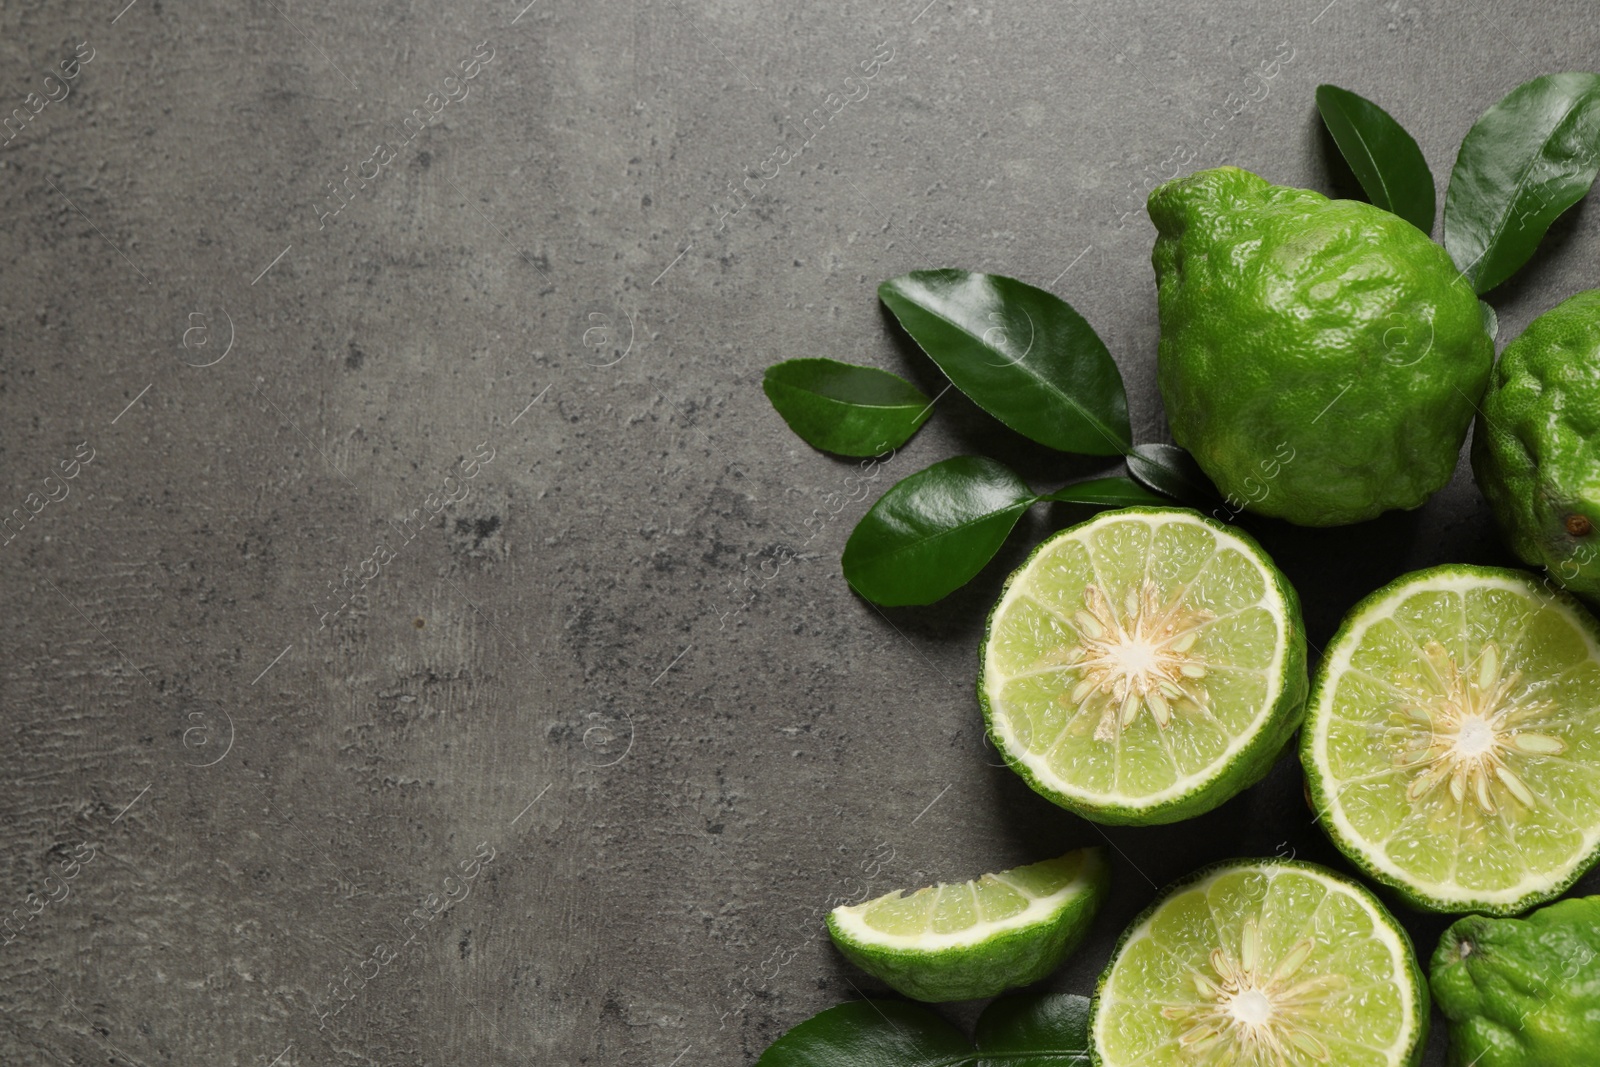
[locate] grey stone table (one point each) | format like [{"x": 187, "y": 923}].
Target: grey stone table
[{"x": 438, "y": 653}]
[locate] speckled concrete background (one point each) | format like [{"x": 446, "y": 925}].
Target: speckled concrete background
[{"x": 441, "y": 655}]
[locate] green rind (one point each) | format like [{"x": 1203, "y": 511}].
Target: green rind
[
  {"x": 1008, "y": 960},
  {"x": 1319, "y": 358},
  {"x": 1525, "y": 993},
  {"x": 1535, "y": 445},
  {"x": 1412, "y": 895},
  {"x": 1419, "y": 983},
  {"x": 1248, "y": 767}
]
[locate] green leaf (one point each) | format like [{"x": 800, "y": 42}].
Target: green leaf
[
  {"x": 931, "y": 532},
  {"x": 1491, "y": 320},
  {"x": 1384, "y": 157},
  {"x": 1528, "y": 159},
  {"x": 1108, "y": 493},
  {"x": 1034, "y": 1030},
  {"x": 1020, "y": 353},
  {"x": 1169, "y": 469},
  {"x": 843, "y": 408},
  {"x": 1025, "y": 1030},
  {"x": 870, "y": 1033}
]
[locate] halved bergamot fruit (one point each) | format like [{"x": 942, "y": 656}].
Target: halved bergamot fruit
[
  {"x": 1144, "y": 666},
  {"x": 1452, "y": 741},
  {"x": 1262, "y": 963},
  {"x": 977, "y": 938}
]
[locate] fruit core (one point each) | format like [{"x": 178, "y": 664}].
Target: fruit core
[
  {"x": 1475, "y": 737},
  {"x": 1139, "y": 654},
  {"x": 1251, "y": 1007},
  {"x": 1255, "y": 1010},
  {"x": 1467, "y": 732}
]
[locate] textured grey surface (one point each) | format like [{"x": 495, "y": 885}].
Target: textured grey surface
[{"x": 633, "y": 620}]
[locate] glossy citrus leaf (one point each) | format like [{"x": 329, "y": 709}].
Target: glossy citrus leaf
[
  {"x": 1383, "y": 156},
  {"x": 1022, "y": 354},
  {"x": 931, "y": 532},
  {"x": 845, "y": 409}
]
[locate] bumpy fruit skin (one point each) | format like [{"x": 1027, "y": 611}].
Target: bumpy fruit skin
[
  {"x": 1320, "y": 358},
  {"x": 1536, "y": 450},
  {"x": 1522, "y": 992}
]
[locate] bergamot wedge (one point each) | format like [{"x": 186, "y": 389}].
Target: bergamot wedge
[{"x": 978, "y": 938}]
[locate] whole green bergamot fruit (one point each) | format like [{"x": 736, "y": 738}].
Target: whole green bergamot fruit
[
  {"x": 1522, "y": 992},
  {"x": 1320, "y": 358},
  {"x": 1536, "y": 452}
]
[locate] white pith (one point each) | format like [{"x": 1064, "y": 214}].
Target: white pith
[
  {"x": 1382, "y": 929},
  {"x": 1038, "y": 763},
  {"x": 1476, "y": 737},
  {"x": 1252, "y": 1007},
  {"x": 1039, "y": 910},
  {"x": 1448, "y": 891}
]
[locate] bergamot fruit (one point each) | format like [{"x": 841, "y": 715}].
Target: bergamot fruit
[
  {"x": 1522, "y": 992},
  {"x": 1262, "y": 963},
  {"x": 1452, "y": 740},
  {"x": 1320, "y": 358},
  {"x": 1144, "y": 666},
  {"x": 978, "y": 938},
  {"x": 1536, "y": 450}
]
